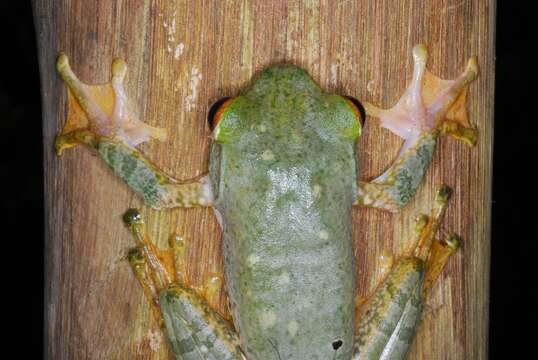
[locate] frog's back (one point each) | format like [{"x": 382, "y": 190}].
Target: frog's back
[{"x": 285, "y": 184}]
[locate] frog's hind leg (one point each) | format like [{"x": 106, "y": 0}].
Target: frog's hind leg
[
  {"x": 429, "y": 107},
  {"x": 101, "y": 117},
  {"x": 193, "y": 329},
  {"x": 387, "y": 319}
]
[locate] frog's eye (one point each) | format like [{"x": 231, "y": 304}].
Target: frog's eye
[
  {"x": 358, "y": 109},
  {"x": 215, "y": 112}
]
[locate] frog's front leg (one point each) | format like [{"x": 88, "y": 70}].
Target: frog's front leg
[
  {"x": 429, "y": 107},
  {"x": 388, "y": 319},
  {"x": 193, "y": 329},
  {"x": 101, "y": 118}
]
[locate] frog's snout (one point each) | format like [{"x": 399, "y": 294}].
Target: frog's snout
[{"x": 132, "y": 216}]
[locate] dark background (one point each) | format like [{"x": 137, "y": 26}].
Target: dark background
[{"x": 514, "y": 300}]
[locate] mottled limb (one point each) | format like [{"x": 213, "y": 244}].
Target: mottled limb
[
  {"x": 157, "y": 189},
  {"x": 428, "y": 108},
  {"x": 193, "y": 329},
  {"x": 100, "y": 117},
  {"x": 387, "y": 320}
]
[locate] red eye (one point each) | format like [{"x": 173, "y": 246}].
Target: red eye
[
  {"x": 216, "y": 111},
  {"x": 358, "y": 109}
]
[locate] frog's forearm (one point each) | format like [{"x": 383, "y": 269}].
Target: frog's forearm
[
  {"x": 157, "y": 189},
  {"x": 399, "y": 183}
]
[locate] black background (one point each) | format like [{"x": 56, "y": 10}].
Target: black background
[{"x": 514, "y": 228}]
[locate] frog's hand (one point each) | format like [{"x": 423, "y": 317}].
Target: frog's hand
[
  {"x": 193, "y": 329},
  {"x": 101, "y": 110},
  {"x": 429, "y": 107},
  {"x": 388, "y": 319},
  {"x": 100, "y": 117}
]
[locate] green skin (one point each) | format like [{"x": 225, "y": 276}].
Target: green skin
[
  {"x": 282, "y": 181},
  {"x": 284, "y": 173}
]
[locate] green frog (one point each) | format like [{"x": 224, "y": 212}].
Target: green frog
[{"x": 283, "y": 182}]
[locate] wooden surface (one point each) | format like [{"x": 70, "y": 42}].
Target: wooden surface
[{"x": 94, "y": 307}]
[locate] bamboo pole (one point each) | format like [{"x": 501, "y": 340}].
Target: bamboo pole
[{"x": 183, "y": 56}]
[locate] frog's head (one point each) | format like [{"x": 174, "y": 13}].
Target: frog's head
[{"x": 284, "y": 102}]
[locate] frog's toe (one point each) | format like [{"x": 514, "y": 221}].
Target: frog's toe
[{"x": 132, "y": 216}]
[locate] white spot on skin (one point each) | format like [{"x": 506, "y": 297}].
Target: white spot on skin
[
  {"x": 317, "y": 190},
  {"x": 206, "y": 195},
  {"x": 385, "y": 262},
  {"x": 305, "y": 304},
  {"x": 190, "y": 101},
  {"x": 293, "y": 327},
  {"x": 284, "y": 279},
  {"x": 154, "y": 339},
  {"x": 253, "y": 259},
  {"x": 268, "y": 155},
  {"x": 323, "y": 235},
  {"x": 203, "y": 349},
  {"x": 367, "y": 200},
  {"x": 267, "y": 319}
]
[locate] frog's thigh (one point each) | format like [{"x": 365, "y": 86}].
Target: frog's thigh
[
  {"x": 389, "y": 318},
  {"x": 193, "y": 329}
]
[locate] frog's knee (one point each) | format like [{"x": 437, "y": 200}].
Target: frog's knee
[{"x": 193, "y": 328}]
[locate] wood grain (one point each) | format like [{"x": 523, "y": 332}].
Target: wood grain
[{"x": 94, "y": 308}]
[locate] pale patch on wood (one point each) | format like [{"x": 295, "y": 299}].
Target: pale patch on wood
[
  {"x": 179, "y": 50},
  {"x": 190, "y": 100}
]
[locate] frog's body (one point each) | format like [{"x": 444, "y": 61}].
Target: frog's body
[
  {"x": 285, "y": 188},
  {"x": 283, "y": 181}
]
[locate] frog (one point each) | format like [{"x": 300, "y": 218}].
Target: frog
[{"x": 283, "y": 182}]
